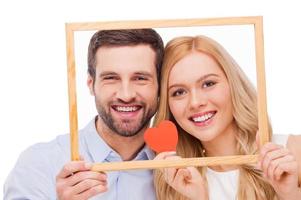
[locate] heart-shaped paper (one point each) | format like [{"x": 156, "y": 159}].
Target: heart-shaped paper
[{"x": 163, "y": 138}]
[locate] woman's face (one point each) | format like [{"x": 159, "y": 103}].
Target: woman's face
[{"x": 199, "y": 97}]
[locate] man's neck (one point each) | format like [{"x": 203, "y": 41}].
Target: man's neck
[{"x": 126, "y": 147}]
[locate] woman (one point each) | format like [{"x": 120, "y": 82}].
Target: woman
[{"x": 213, "y": 104}]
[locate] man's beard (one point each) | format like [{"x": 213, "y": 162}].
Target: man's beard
[{"x": 125, "y": 128}]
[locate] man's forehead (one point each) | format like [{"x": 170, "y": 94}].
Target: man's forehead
[
  {"x": 129, "y": 59},
  {"x": 124, "y": 48}
]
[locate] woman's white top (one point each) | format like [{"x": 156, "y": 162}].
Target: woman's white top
[{"x": 224, "y": 185}]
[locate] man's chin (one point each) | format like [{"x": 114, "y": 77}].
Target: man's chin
[
  {"x": 128, "y": 132},
  {"x": 129, "y": 127}
]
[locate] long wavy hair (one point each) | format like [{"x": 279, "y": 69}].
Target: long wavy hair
[{"x": 244, "y": 103}]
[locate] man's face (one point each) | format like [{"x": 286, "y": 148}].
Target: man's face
[{"x": 125, "y": 87}]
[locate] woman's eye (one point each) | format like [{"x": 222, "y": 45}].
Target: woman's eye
[
  {"x": 208, "y": 84},
  {"x": 178, "y": 93}
]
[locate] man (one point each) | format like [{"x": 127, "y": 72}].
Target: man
[{"x": 124, "y": 69}]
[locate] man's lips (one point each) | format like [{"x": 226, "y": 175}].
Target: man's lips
[
  {"x": 126, "y": 111},
  {"x": 126, "y": 108}
]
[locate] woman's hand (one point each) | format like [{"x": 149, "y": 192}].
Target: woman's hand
[
  {"x": 187, "y": 181},
  {"x": 280, "y": 168}
]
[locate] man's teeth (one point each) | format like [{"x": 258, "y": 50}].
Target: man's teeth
[
  {"x": 202, "y": 118},
  {"x": 126, "y": 109}
]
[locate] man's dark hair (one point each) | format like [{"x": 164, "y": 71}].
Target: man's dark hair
[{"x": 126, "y": 37}]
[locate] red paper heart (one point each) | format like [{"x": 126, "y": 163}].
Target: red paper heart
[{"x": 163, "y": 138}]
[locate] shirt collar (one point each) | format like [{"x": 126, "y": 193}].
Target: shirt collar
[
  {"x": 96, "y": 146},
  {"x": 100, "y": 151},
  {"x": 148, "y": 154}
]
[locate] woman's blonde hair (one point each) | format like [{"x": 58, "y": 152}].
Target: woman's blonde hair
[{"x": 244, "y": 101}]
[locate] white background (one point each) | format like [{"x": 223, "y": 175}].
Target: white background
[{"x": 33, "y": 74}]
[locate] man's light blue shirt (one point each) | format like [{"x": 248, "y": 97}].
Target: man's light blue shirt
[{"x": 33, "y": 176}]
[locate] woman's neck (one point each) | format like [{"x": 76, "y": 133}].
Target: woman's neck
[{"x": 224, "y": 144}]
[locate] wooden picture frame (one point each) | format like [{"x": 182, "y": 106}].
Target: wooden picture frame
[{"x": 257, "y": 21}]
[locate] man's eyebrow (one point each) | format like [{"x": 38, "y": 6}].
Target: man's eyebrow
[
  {"x": 144, "y": 73},
  {"x": 107, "y": 73},
  {"x": 111, "y": 73},
  {"x": 199, "y": 80}
]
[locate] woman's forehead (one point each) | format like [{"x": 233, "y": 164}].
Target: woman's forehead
[{"x": 193, "y": 66}]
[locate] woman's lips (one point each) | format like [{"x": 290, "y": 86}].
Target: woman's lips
[{"x": 203, "y": 119}]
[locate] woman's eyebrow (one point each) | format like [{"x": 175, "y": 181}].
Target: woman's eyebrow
[
  {"x": 206, "y": 76},
  {"x": 199, "y": 80}
]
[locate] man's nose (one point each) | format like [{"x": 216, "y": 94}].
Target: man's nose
[{"x": 126, "y": 92}]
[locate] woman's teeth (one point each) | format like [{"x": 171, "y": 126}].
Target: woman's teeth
[{"x": 203, "y": 117}]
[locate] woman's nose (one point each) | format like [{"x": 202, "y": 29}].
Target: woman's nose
[{"x": 197, "y": 99}]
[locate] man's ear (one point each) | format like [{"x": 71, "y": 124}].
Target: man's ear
[{"x": 90, "y": 84}]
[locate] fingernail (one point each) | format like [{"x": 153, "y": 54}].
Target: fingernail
[{"x": 88, "y": 165}]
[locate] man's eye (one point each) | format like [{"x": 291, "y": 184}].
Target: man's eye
[
  {"x": 178, "y": 93},
  {"x": 110, "y": 78},
  {"x": 140, "y": 78},
  {"x": 208, "y": 84}
]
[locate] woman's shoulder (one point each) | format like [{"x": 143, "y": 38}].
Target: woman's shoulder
[
  {"x": 287, "y": 140},
  {"x": 294, "y": 145},
  {"x": 294, "y": 140},
  {"x": 280, "y": 139}
]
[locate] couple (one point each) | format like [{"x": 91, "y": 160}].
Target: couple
[{"x": 202, "y": 90}]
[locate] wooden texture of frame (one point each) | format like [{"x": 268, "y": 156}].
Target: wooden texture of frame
[{"x": 153, "y": 164}]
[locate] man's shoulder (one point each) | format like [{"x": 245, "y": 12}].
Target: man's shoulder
[
  {"x": 35, "y": 170},
  {"x": 56, "y": 150},
  {"x": 33, "y": 175},
  {"x": 50, "y": 152},
  {"x": 59, "y": 142}
]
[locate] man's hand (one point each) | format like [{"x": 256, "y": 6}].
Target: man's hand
[{"x": 76, "y": 181}]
